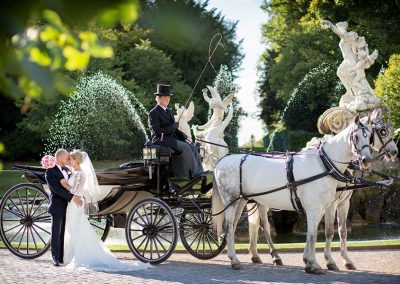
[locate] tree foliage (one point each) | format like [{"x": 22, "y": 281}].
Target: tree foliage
[
  {"x": 387, "y": 88},
  {"x": 297, "y": 44}
]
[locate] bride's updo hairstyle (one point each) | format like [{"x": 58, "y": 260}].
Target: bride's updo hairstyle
[{"x": 77, "y": 155}]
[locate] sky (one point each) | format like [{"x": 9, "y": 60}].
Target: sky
[{"x": 250, "y": 17}]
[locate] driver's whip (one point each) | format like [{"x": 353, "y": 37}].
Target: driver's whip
[{"x": 210, "y": 55}]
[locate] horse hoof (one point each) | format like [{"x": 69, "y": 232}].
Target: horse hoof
[
  {"x": 350, "y": 266},
  {"x": 256, "y": 259},
  {"x": 311, "y": 270},
  {"x": 236, "y": 266},
  {"x": 278, "y": 262},
  {"x": 332, "y": 266}
]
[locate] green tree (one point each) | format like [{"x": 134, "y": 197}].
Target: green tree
[
  {"x": 183, "y": 29},
  {"x": 387, "y": 88}
]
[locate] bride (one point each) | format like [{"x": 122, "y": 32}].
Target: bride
[{"x": 82, "y": 247}]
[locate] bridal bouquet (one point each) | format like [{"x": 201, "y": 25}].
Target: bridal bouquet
[{"x": 48, "y": 161}]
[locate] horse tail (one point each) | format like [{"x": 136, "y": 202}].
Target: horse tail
[{"x": 217, "y": 207}]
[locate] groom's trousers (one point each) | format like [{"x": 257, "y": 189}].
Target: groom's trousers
[{"x": 57, "y": 237}]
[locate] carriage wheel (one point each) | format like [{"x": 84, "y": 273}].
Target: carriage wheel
[
  {"x": 151, "y": 231},
  {"x": 102, "y": 225},
  {"x": 25, "y": 224},
  {"x": 198, "y": 235}
]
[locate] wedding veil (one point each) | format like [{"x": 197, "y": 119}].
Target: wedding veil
[{"x": 90, "y": 189}]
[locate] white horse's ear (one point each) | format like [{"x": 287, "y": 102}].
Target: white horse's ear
[
  {"x": 189, "y": 113},
  {"x": 205, "y": 96},
  {"x": 214, "y": 93},
  {"x": 369, "y": 119},
  {"x": 228, "y": 100},
  {"x": 177, "y": 106},
  {"x": 357, "y": 120}
]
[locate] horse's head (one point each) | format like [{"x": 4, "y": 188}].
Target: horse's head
[
  {"x": 215, "y": 102},
  {"x": 381, "y": 139},
  {"x": 360, "y": 139}
]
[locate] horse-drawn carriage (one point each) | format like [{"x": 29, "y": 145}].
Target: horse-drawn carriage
[{"x": 137, "y": 197}]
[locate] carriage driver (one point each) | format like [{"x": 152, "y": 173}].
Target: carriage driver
[{"x": 164, "y": 131}]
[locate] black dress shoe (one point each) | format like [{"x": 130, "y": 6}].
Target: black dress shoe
[
  {"x": 173, "y": 187},
  {"x": 56, "y": 263},
  {"x": 61, "y": 262}
]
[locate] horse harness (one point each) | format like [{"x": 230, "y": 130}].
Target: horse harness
[{"x": 292, "y": 184}]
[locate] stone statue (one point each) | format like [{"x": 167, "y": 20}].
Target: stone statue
[
  {"x": 213, "y": 130},
  {"x": 183, "y": 116},
  {"x": 359, "y": 95}
]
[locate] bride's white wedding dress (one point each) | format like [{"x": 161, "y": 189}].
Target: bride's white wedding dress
[{"x": 82, "y": 247}]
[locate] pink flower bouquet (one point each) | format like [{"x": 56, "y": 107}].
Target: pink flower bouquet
[{"x": 48, "y": 162}]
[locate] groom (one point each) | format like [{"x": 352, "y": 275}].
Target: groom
[{"x": 59, "y": 198}]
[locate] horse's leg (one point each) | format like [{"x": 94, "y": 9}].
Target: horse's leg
[
  {"x": 313, "y": 219},
  {"x": 229, "y": 225},
  {"x": 254, "y": 225},
  {"x": 329, "y": 232},
  {"x": 239, "y": 211},
  {"x": 342, "y": 212},
  {"x": 276, "y": 259}
]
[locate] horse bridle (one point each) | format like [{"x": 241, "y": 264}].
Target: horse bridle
[
  {"x": 357, "y": 152},
  {"x": 382, "y": 132}
]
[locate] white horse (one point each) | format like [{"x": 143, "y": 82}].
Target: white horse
[
  {"x": 381, "y": 143},
  {"x": 257, "y": 175}
]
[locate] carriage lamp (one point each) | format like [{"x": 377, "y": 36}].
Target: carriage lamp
[{"x": 150, "y": 153}]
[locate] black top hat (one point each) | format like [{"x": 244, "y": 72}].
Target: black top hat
[{"x": 163, "y": 90}]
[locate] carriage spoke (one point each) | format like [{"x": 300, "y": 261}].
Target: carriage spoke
[
  {"x": 138, "y": 237},
  {"x": 42, "y": 219},
  {"x": 198, "y": 242},
  {"x": 41, "y": 214},
  {"x": 159, "y": 221},
  {"x": 156, "y": 246},
  {"x": 141, "y": 225},
  {"x": 22, "y": 214},
  {"x": 158, "y": 212},
  {"x": 151, "y": 247},
  {"x": 33, "y": 202},
  {"x": 191, "y": 234},
  {"x": 34, "y": 240},
  {"x": 145, "y": 214},
  {"x": 39, "y": 235},
  {"x": 165, "y": 226},
  {"x": 41, "y": 228},
  {"x": 209, "y": 244},
  {"x": 144, "y": 222},
  {"x": 145, "y": 246},
  {"x": 22, "y": 204},
  {"x": 27, "y": 236},
  {"x": 160, "y": 243},
  {"x": 13, "y": 228},
  {"x": 16, "y": 234},
  {"x": 151, "y": 216},
  {"x": 20, "y": 240},
  {"x": 40, "y": 205},
  {"x": 168, "y": 241},
  {"x": 27, "y": 203},
  {"x": 14, "y": 213},
  {"x": 194, "y": 239},
  {"x": 213, "y": 239}
]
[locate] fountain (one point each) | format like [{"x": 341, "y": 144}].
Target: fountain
[{"x": 99, "y": 108}]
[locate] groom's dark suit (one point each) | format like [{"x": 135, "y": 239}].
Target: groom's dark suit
[{"x": 59, "y": 198}]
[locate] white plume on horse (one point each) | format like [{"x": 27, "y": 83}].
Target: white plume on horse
[
  {"x": 183, "y": 116},
  {"x": 213, "y": 130}
]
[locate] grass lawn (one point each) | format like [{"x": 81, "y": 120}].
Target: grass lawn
[{"x": 281, "y": 247}]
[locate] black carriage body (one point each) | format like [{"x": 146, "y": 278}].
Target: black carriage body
[{"x": 134, "y": 191}]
